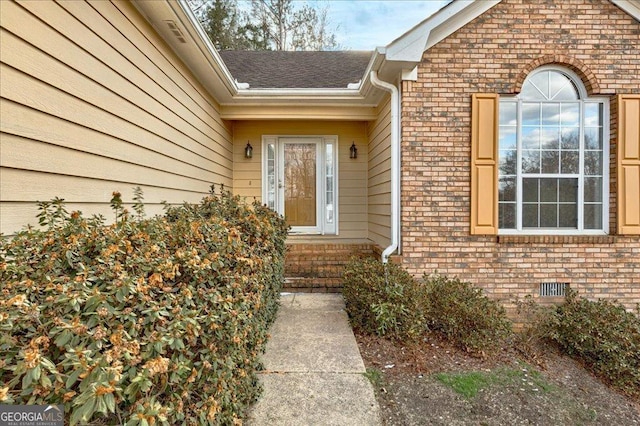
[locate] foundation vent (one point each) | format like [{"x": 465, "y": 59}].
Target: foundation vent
[
  {"x": 553, "y": 289},
  {"x": 175, "y": 30}
]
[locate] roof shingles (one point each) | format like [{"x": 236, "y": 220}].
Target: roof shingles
[{"x": 298, "y": 69}]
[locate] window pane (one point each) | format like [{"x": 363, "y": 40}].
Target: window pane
[
  {"x": 531, "y": 161},
  {"x": 570, "y": 162},
  {"x": 507, "y": 137},
  {"x": 529, "y": 215},
  {"x": 531, "y": 92},
  {"x": 593, "y": 138},
  {"x": 593, "y": 163},
  {"x": 508, "y": 162},
  {"x": 507, "y": 189},
  {"x": 531, "y": 114},
  {"x": 567, "y": 93},
  {"x": 530, "y": 137},
  {"x": 549, "y": 190},
  {"x": 570, "y": 138},
  {"x": 570, "y": 115},
  {"x": 568, "y": 190},
  {"x": 549, "y": 138},
  {"x": 561, "y": 87},
  {"x": 530, "y": 190},
  {"x": 593, "y": 113},
  {"x": 593, "y": 216},
  {"x": 507, "y": 215},
  {"x": 508, "y": 114},
  {"x": 541, "y": 82},
  {"x": 548, "y": 215},
  {"x": 551, "y": 114},
  {"x": 568, "y": 216},
  {"x": 550, "y": 161},
  {"x": 592, "y": 189}
]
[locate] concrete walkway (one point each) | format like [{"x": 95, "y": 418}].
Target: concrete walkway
[{"x": 313, "y": 369}]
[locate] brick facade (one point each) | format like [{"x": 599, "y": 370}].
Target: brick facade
[
  {"x": 317, "y": 267},
  {"x": 494, "y": 54}
]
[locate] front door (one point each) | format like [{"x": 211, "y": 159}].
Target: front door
[{"x": 300, "y": 182}]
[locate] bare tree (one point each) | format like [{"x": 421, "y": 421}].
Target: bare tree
[{"x": 268, "y": 25}]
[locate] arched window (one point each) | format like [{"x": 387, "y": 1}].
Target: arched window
[{"x": 553, "y": 152}]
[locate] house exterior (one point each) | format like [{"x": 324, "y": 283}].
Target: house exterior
[{"x": 498, "y": 141}]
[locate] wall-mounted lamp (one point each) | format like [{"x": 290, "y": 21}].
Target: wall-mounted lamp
[
  {"x": 248, "y": 151},
  {"x": 353, "y": 151}
]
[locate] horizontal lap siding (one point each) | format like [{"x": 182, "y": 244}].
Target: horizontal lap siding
[
  {"x": 93, "y": 101},
  {"x": 352, "y": 174},
  {"x": 379, "y": 176}
]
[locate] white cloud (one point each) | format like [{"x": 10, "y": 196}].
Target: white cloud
[{"x": 366, "y": 24}]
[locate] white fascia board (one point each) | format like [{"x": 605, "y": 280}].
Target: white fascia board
[
  {"x": 632, "y": 7},
  {"x": 197, "y": 52},
  {"x": 410, "y": 46}
]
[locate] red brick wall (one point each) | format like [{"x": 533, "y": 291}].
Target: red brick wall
[
  {"x": 494, "y": 53},
  {"x": 317, "y": 267}
]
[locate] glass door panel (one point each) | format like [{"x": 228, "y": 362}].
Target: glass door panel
[{"x": 300, "y": 184}]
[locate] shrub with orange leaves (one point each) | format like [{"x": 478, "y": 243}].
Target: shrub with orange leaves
[{"x": 145, "y": 321}]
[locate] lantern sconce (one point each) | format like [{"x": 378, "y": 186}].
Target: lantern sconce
[
  {"x": 248, "y": 151},
  {"x": 353, "y": 151}
]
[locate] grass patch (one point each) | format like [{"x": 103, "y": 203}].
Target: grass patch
[
  {"x": 469, "y": 384},
  {"x": 466, "y": 384},
  {"x": 375, "y": 377}
]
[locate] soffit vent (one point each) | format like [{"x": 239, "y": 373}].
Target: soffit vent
[
  {"x": 553, "y": 289},
  {"x": 175, "y": 30}
]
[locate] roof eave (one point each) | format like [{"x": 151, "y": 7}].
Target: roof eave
[
  {"x": 405, "y": 52},
  {"x": 194, "y": 47},
  {"x": 632, "y": 7}
]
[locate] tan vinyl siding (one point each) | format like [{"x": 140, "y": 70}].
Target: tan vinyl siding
[
  {"x": 93, "y": 101},
  {"x": 352, "y": 174},
  {"x": 379, "y": 176}
]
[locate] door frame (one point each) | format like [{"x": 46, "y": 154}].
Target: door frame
[{"x": 273, "y": 197}]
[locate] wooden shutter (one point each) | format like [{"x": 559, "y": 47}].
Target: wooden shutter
[
  {"x": 484, "y": 164},
  {"x": 628, "y": 164}
]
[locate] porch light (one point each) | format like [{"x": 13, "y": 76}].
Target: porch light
[
  {"x": 353, "y": 151},
  {"x": 248, "y": 151}
]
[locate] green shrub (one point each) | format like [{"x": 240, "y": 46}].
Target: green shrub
[
  {"x": 462, "y": 314},
  {"x": 603, "y": 335},
  {"x": 144, "y": 321},
  {"x": 383, "y": 299}
]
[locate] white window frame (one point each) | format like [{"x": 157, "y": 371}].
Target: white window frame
[
  {"x": 606, "y": 120},
  {"x": 324, "y": 224}
]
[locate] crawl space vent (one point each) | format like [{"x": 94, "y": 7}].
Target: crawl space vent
[{"x": 553, "y": 289}]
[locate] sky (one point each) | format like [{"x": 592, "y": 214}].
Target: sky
[{"x": 366, "y": 24}]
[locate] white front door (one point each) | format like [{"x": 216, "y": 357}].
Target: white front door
[{"x": 299, "y": 182}]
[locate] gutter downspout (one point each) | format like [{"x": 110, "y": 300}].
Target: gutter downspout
[{"x": 395, "y": 163}]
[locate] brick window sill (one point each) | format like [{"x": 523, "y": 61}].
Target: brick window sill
[{"x": 556, "y": 239}]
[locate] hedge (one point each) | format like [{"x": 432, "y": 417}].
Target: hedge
[{"x": 145, "y": 321}]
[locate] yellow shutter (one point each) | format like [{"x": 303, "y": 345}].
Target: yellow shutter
[
  {"x": 628, "y": 164},
  {"x": 484, "y": 164}
]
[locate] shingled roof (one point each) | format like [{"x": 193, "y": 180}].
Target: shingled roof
[{"x": 296, "y": 70}]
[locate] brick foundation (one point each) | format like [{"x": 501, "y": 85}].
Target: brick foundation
[{"x": 317, "y": 267}]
